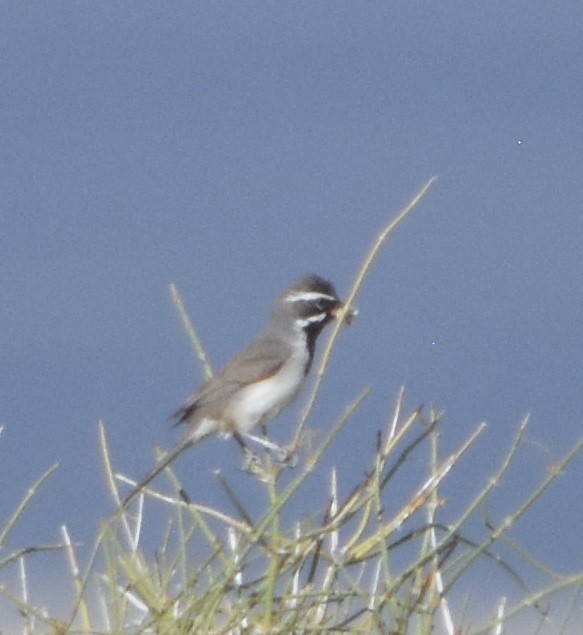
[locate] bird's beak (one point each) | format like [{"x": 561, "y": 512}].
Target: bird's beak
[{"x": 346, "y": 314}]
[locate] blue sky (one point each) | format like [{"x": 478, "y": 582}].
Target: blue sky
[{"x": 229, "y": 147}]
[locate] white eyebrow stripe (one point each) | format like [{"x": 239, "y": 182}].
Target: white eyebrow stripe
[{"x": 307, "y": 296}]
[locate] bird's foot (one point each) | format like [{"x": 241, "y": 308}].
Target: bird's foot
[
  {"x": 251, "y": 462},
  {"x": 285, "y": 456}
]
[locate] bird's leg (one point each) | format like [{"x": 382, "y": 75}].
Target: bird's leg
[
  {"x": 266, "y": 443},
  {"x": 250, "y": 460},
  {"x": 239, "y": 439},
  {"x": 283, "y": 455}
]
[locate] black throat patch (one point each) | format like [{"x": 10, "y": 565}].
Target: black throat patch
[{"x": 311, "y": 332}]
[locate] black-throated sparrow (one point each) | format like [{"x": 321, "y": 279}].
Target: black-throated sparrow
[{"x": 256, "y": 385}]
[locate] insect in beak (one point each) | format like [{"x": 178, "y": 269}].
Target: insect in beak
[{"x": 346, "y": 314}]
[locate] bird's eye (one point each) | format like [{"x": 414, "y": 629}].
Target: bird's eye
[{"x": 321, "y": 305}]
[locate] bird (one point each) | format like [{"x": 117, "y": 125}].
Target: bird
[{"x": 264, "y": 378}]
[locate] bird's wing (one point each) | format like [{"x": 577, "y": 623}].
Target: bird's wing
[{"x": 248, "y": 367}]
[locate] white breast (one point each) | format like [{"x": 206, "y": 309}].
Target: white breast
[{"x": 263, "y": 401}]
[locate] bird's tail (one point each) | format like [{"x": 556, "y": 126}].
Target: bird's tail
[{"x": 178, "y": 449}]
